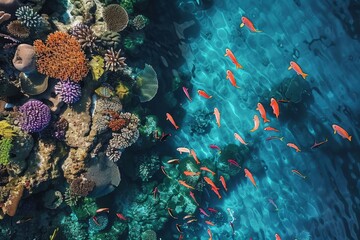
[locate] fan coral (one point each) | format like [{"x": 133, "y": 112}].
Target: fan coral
[
  {"x": 85, "y": 36},
  {"x": 100, "y": 224},
  {"x": 35, "y": 116},
  {"x": 70, "y": 92},
  {"x": 116, "y": 17},
  {"x": 81, "y": 186},
  {"x": 128, "y": 134},
  {"x": 17, "y": 29},
  {"x": 113, "y": 61},
  {"x": 61, "y": 57},
  {"x": 148, "y": 83},
  {"x": 139, "y": 22},
  {"x": 28, "y": 17}
]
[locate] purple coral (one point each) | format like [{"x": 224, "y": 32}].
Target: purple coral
[
  {"x": 35, "y": 116},
  {"x": 70, "y": 92}
]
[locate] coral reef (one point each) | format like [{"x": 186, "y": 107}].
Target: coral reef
[
  {"x": 200, "y": 123},
  {"x": 16, "y": 29},
  {"x": 81, "y": 186},
  {"x": 139, "y": 22},
  {"x": 148, "y": 235},
  {"x": 35, "y": 116},
  {"x": 98, "y": 223},
  {"x": 116, "y": 17},
  {"x": 110, "y": 39},
  {"x": 148, "y": 165},
  {"x": 70, "y": 92},
  {"x": 59, "y": 129},
  {"x": 11, "y": 205},
  {"x": 5, "y": 148},
  {"x": 6, "y": 130},
  {"x": 61, "y": 57},
  {"x": 28, "y": 17},
  {"x": 85, "y": 36},
  {"x": 148, "y": 83},
  {"x": 52, "y": 199},
  {"x": 97, "y": 67},
  {"x": 113, "y": 61}
]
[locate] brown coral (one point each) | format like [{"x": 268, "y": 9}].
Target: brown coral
[
  {"x": 16, "y": 29},
  {"x": 116, "y": 17},
  {"x": 61, "y": 57},
  {"x": 81, "y": 186}
]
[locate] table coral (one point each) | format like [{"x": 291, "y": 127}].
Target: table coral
[
  {"x": 61, "y": 57},
  {"x": 116, "y": 17}
]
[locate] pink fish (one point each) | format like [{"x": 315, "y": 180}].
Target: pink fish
[
  {"x": 193, "y": 197},
  {"x": 203, "y": 212},
  {"x": 187, "y": 93},
  {"x": 212, "y": 146},
  {"x": 212, "y": 210},
  {"x": 233, "y": 162}
]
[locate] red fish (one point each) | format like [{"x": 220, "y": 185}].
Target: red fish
[
  {"x": 102, "y": 210},
  {"x": 95, "y": 220},
  {"x": 298, "y": 173},
  {"x": 275, "y": 107},
  {"x": 187, "y": 93},
  {"x": 216, "y": 191},
  {"x": 262, "y": 111},
  {"x": 193, "y": 197},
  {"x": 121, "y": 217},
  {"x": 297, "y": 69},
  {"x": 222, "y": 180},
  {"x": 212, "y": 210},
  {"x": 204, "y": 94},
  {"x": 230, "y": 76},
  {"x": 193, "y": 154},
  {"x": 256, "y": 123},
  {"x": 277, "y": 237},
  {"x": 233, "y": 162},
  {"x": 341, "y": 132},
  {"x": 246, "y": 22},
  {"x": 178, "y": 228},
  {"x": 250, "y": 176},
  {"x": 232, "y": 57},
  {"x": 271, "y": 129},
  {"x": 292, "y": 145},
  {"x": 171, "y": 119},
  {"x": 210, "y": 234},
  {"x": 210, "y": 223},
  {"x": 240, "y": 139},
  {"x": 191, "y": 220},
  {"x": 185, "y": 184},
  {"x": 191, "y": 174},
  {"x": 203, "y": 212},
  {"x": 316, "y": 145},
  {"x": 210, "y": 182},
  {"x": 217, "y": 116},
  {"x": 212, "y": 146},
  {"x": 173, "y": 161}
]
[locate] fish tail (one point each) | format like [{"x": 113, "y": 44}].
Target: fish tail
[
  {"x": 304, "y": 75},
  {"x": 176, "y": 127},
  {"x": 236, "y": 86},
  {"x": 266, "y": 120},
  {"x": 257, "y": 30},
  {"x": 239, "y": 66},
  {"x": 282, "y": 138},
  {"x": 334, "y": 131},
  {"x": 242, "y": 25},
  {"x": 350, "y": 138},
  {"x": 298, "y": 150},
  {"x": 290, "y": 67}
]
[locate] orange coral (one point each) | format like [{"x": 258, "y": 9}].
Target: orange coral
[
  {"x": 61, "y": 57},
  {"x": 117, "y": 124}
]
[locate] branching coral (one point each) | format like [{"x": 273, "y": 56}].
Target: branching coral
[
  {"x": 128, "y": 134},
  {"x": 70, "y": 92},
  {"x": 85, "y": 36},
  {"x": 16, "y": 29},
  {"x": 81, "y": 186},
  {"x": 61, "y": 57},
  {"x": 139, "y": 22},
  {"x": 116, "y": 17},
  {"x": 113, "y": 61},
  {"x": 70, "y": 198},
  {"x": 28, "y": 17},
  {"x": 35, "y": 116}
]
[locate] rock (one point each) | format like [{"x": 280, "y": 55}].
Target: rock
[{"x": 24, "y": 59}]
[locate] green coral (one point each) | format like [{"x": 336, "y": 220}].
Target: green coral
[
  {"x": 128, "y": 5},
  {"x": 150, "y": 126},
  {"x": 5, "y": 147},
  {"x": 6, "y": 130},
  {"x": 85, "y": 209}
]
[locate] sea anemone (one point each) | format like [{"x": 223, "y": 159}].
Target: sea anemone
[
  {"x": 17, "y": 29},
  {"x": 35, "y": 116},
  {"x": 98, "y": 223},
  {"x": 85, "y": 36},
  {"x": 61, "y": 57},
  {"x": 113, "y": 61},
  {"x": 70, "y": 92},
  {"x": 116, "y": 17},
  {"x": 28, "y": 17}
]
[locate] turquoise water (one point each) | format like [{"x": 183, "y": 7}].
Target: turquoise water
[{"x": 320, "y": 205}]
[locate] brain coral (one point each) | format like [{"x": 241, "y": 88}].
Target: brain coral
[
  {"x": 116, "y": 17},
  {"x": 61, "y": 57}
]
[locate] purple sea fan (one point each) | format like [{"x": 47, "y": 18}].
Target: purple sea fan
[
  {"x": 70, "y": 92},
  {"x": 35, "y": 116}
]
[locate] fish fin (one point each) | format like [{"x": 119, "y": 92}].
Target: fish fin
[
  {"x": 304, "y": 75},
  {"x": 290, "y": 67},
  {"x": 334, "y": 131},
  {"x": 350, "y": 138},
  {"x": 242, "y": 25},
  {"x": 225, "y": 55}
]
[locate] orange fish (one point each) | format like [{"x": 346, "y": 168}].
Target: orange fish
[
  {"x": 170, "y": 211},
  {"x": 271, "y": 129},
  {"x": 207, "y": 170},
  {"x": 277, "y": 237},
  {"x": 341, "y": 132},
  {"x": 230, "y": 76},
  {"x": 275, "y": 107},
  {"x": 246, "y": 22},
  {"x": 189, "y": 173},
  {"x": 297, "y": 69},
  {"x": 237, "y": 136},
  {"x": 217, "y": 116},
  {"x": 232, "y": 57},
  {"x": 250, "y": 176},
  {"x": 193, "y": 154},
  {"x": 171, "y": 119},
  {"x": 102, "y": 210},
  {"x": 216, "y": 191},
  {"x": 256, "y": 123},
  {"x": 204, "y": 94},
  {"x": 210, "y": 223},
  {"x": 121, "y": 216},
  {"x": 222, "y": 180},
  {"x": 210, "y": 234},
  {"x": 292, "y": 145},
  {"x": 262, "y": 112},
  {"x": 185, "y": 184},
  {"x": 210, "y": 182}
]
